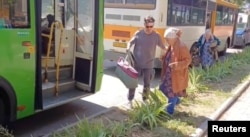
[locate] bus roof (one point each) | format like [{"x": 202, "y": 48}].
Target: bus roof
[{"x": 228, "y": 4}]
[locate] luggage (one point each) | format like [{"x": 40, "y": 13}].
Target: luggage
[{"x": 126, "y": 72}]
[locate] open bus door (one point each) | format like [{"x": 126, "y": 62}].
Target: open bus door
[
  {"x": 72, "y": 66},
  {"x": 86, "y": 53},
  {"x": 31, "y": 81}
]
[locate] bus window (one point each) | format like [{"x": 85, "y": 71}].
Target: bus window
[
  {"x": 140, "y": 1},
  {"x": 186, "y": 13},
  {"x": 181, "y": 15},
  {"x": 47, "y": 7},
  {"x": 85, "y": 27},
  {"x": 14, "y": 14},
  {"x": 225, "y": 15},
  {"x": 113, "y": 1},
  {"x": 231, "y": 16},
  {"x": 131, "y": 4},
  {"x": 47, "y": 10}
]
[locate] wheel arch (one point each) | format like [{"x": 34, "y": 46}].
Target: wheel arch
[{"x": 9, "y": 97}]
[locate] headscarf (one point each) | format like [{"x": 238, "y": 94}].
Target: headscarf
[
  {"x": 172, "y": 33},
  {"x": 208, "y": 31}
]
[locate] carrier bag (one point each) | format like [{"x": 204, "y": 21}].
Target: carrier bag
[{"x": 126, "y": 73}]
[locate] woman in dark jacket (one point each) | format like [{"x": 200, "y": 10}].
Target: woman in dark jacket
[{"x": 207, "y": 45}]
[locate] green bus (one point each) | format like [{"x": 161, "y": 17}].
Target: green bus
[{"x": 51, "y": 53}]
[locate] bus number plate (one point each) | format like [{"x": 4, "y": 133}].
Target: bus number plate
[{"x": 120, "y": 45}]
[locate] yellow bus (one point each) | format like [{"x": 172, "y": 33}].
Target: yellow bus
[
  {"x": 122, "y": 18},
  {"x": 222, "y": 17}
]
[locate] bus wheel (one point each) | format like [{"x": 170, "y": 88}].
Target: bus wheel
[
  {"x": 2, "y": 112},
  {"x": 244, "y": 44},
  {"x": 222, "y": 53}
]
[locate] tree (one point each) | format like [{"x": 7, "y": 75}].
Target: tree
[{"x": 238, "y": 2}]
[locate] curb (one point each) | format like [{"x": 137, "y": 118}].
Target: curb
[{"x": 202, "y": 129}]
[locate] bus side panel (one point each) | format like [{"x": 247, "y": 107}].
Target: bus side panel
[
  {"x": 223, "y": 32},
  {"x": 17, "y": 61}
]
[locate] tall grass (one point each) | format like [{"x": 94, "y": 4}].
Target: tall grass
[
  {"x": 5, "y": 132},
  {"x": 195, "y": 83},
  {"x": 198, "y": 76},
  {"x": 86, "y": 128},
  {"x": 152, "y": 112}
]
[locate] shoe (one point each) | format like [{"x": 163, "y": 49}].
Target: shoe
[
  {"x": 145, "y": 94},
  {"x": 128, "y": 105},
  {"x": 178, "y": 101}
]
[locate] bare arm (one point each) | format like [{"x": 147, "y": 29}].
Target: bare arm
[
  {"x": 131, "y": 42},
  {"x": 160, "y": 43}
]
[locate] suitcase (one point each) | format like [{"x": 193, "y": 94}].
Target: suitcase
[{"x": 126, "y": 72}]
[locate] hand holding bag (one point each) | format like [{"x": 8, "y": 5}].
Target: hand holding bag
[{"x": 126, "y": 72}]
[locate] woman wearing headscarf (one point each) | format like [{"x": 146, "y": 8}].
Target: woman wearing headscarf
[
  {"x": 175, "y": 63},
  {"x": 206, "y": 44}
]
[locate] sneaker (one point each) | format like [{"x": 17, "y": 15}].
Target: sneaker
[{"x": 145, "y": 94}]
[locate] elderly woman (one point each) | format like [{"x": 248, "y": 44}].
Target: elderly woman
[
  {"x": 174, "y": 77},
  {"x": 206, "y": 42}
]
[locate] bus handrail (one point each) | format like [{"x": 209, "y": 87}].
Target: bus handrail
[
  {"x": 52, "y": 29},
  {"x": 58, "y": 59},
  {"x": 48, "y": 50}
]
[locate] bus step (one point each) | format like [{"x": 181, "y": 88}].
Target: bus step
[
  {"x": 51, "y": 62},
  {"x": 64, "y": 85},
  {"x": 65, "y": 73},
  {"x": 65, "y": 97}
]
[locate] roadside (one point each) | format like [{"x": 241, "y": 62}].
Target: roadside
[
  {"x": 238, "y": 111},
  {"x": 185, "y": 118},
  {"x": 193, "y": 111}
]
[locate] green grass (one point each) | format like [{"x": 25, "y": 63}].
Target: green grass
[
  {"x": 206, "y": 93},
  {"x": 150, "y": 113}
]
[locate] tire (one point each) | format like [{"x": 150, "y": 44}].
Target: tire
[
  {"x": 244, "y": 44},
  {"x": 2, "y": 112},
  {"x": 222, "y": 53}
]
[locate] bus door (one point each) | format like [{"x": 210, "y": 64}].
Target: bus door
[
  {"x": 84, "y": 44},
  {"x": 80, "y": 47}
]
